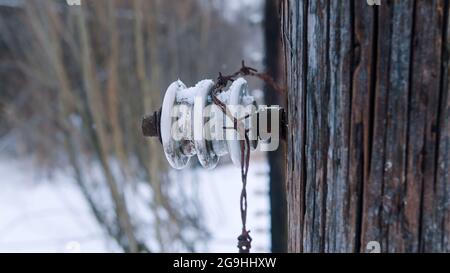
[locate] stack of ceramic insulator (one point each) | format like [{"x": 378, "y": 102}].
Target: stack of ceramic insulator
[{"x": 182, "y": 114}]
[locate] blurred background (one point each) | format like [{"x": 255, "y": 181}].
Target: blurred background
[{"x": 76, "y": 174}]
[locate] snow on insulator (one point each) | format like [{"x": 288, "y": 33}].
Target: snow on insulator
[{"x": 189, "y": 123}]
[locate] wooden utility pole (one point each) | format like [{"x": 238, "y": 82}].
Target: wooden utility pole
[{"x": 369, "y": 125}]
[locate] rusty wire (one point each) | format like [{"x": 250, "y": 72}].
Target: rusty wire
[{"x": 244, "y": 239}]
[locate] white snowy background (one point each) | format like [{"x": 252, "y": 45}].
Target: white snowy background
[{"x": 42, "y": 213}]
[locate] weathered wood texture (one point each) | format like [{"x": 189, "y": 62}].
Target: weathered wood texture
[{"x": 369, "y": 120}]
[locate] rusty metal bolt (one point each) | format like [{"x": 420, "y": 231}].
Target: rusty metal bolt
[{"x": 151, "y": 125}]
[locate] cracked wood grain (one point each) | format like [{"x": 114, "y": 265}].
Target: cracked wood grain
[{"x": 368, "y": 112}]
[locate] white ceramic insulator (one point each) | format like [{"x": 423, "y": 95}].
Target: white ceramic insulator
[{"x": 191, "y": 124}]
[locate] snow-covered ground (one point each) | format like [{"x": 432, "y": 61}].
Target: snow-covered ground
[
  {"x": 42, "y": 214},
  {"x": 220, "y": 192}
]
